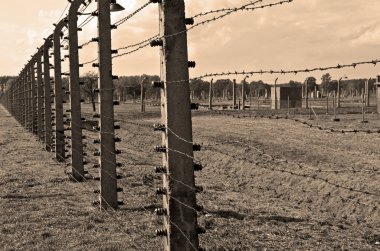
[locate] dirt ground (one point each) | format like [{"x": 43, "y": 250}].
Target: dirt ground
[{"x": 270, "y": 184}]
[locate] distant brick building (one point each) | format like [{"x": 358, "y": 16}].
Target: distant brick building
[{"x": 282, "y": 93}]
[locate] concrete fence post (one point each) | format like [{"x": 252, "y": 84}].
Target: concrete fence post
[
  {"x": 58, "y": 92},
  {"x": 75, "y": 97},
  {"x": 32, "y": 75},
  {"x": 40, "y": 97},
  {"x": 108, "y": 177},
  {"x": 234, "y": 93},
  {"x": 47, "y": 84},
  {"x": 210, "y": 95},
  {"x": 180, "y": 219}
]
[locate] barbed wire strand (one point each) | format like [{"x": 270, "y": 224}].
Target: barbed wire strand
[
  {"x": 146, "y": 42},
  {"x": 63, "y": 12},
  {"x": 307, "y": 176},
  {"x": 184, "y": 235},
  {"x": 353, "y": 170},
  {"x": 123, "y": 20},
  {"x": 201, "y": 14},
  {"x": 281, "y": 72}
]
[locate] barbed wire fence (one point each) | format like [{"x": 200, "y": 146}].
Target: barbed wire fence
[{"x": 29, "y": 101}]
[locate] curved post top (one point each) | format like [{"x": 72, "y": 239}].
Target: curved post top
[
  {"x": 75, "y": 4},
  {"x": 48, "y": 42},
  {"x": 40, "y": 51},
  {"x": 59, "y": 26},
  {"x": 37, "y": 54}
]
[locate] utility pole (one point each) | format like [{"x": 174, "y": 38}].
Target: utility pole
[
  {"x": 58, "y": 99},
  {"x": 75, "y": 98},
  {"x": 48, "y": 121},
  {"x": 210, "y": 95},
  {"x": 180, "y": 219},
  {"x": 108, "y": 178}
]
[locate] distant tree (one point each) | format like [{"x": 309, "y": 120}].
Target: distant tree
[
  {"x": 89, "y": 87},
  {"x": 149, "y": 90},
  {"x": 327, "y": 84},
  {"x": 259, "y": 87},
  {"x": 131, "y": 86},
  {"x": 6, "y": 82},
  {"x": 222, "y": 85},
  {"x": 199, "y": 86},
  {"x": 311, "y": 83},
  {"x": 293, "y": 83},
  {"x": 120, "y": 87}
]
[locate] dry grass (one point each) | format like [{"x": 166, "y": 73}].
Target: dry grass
[{"x": 248, "y": 204}]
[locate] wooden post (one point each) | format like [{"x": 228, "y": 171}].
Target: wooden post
[
  {"x": 315, "y": 92},
  {"x": 75, "y": 98},
  {"x": 12, "y": 99},
  {"x": 243, "y": 94},
  {"x": 288, "y": 105},
  {"x": 363, "y": 108},
  {"x": 250, "y": 96},
  {"x": 377, "y": 85},
  {"x": 142, "y": 95},
  {"x": 310, "y": 113},
  {"x": 234, "y": 93},
  {"x": 40, "y": 97},
  {"x": 306, "y": 94},
  {"x": 108, "y": 180},
  {"x": 258, "y": 103},
  {"x": 367, "y": 92},
  {"x": 327, "y": 103},
  {"x": 334, "y": 107},
  {"x": 58, "y": 99},
  {"x": 210, "y": 95},
  {"x": 47, "y": 84},
  {"x": 275, "y": 94},
  {"x": 180, "y": 219}
]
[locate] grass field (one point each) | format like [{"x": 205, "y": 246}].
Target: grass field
[{"x": 270, "y": 184}]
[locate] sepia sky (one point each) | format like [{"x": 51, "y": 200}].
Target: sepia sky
[{"x": 300, "y": 35}]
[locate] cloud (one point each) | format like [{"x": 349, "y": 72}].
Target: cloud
[
  {"x": 302, "y": 34},
  {"x": 366, "y": 35}
]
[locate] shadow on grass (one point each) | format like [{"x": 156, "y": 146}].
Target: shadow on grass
[
  {"x": 32, "y": 197},
  {"x": 149, "y": 208}
]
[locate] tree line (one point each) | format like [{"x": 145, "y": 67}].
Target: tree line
[{"x": 128, "y": 88}]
